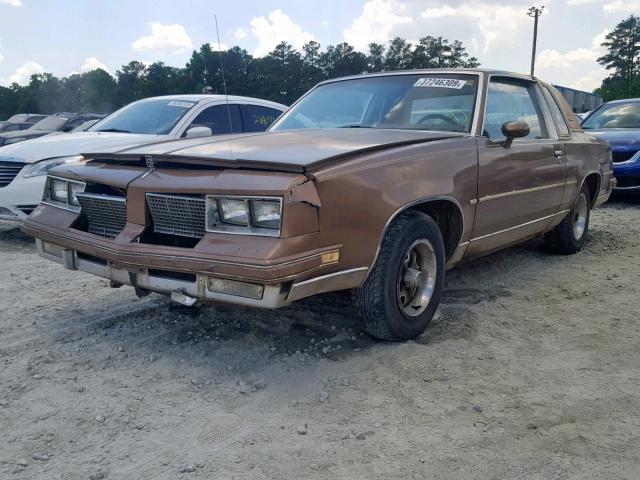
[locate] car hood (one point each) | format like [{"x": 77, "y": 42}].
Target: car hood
[
  {"x": 293, "y": 150},
  {"x": 52, "y": 146},
  {"x": 620, "y": 137}
]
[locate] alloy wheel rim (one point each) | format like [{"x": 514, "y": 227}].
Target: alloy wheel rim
[
  {"x": 580, "y": 217},
  {"x": 417, "y": 278}
]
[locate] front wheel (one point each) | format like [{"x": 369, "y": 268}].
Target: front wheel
[
  {"x": 401, "y": 294},
  {"x": 570, "y": 235}
]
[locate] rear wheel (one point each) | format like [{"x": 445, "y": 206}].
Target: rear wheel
[
  {"x": 402, "y": 292},
  {"x": 570, "y": 235}
]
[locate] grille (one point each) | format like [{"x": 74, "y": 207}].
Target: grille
[
  {"x": 628, "y": 182},
  {"x": 106, "y": 215},
  {"x": 9, "y": 171},
  {"x": 177, "y": 215},
  {"x": 622, "y": 156}
]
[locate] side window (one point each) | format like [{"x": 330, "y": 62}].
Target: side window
[
  {"x": 558, "y": 118},
  {"x": 510, "y": 100},
  {"x": 217, "y": 119},
  {"x": 256, "y": 118}
]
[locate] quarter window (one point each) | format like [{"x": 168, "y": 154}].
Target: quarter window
[
  {"x": 217, "y": 119},
  {"x": 558, "y": 118},
  {"x": 508, "y": 101},
  {"x": 256, "y": 118}
]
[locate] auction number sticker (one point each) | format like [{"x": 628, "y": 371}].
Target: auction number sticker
[
  {"x": 440, "y": 83},
  {"x": 176, "y": 103}
]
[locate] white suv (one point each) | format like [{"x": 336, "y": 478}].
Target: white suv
[{"x": 24, "y": 166}]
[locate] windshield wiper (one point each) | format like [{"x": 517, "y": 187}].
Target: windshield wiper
[
  {"x": 355, "y": 125},
  {"x": 114, "y": 130}
]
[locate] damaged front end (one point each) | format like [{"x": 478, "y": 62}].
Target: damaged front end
[{"x": 197, "y": 234}]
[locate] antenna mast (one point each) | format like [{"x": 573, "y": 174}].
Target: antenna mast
[{"x": 224, "y": 82}]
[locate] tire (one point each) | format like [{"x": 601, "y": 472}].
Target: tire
[
  {"x": 411, "y": 260},
  {"x": 570, "y": 235}
]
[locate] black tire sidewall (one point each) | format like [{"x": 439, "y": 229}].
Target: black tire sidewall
[{"x": 403, "y": 326}]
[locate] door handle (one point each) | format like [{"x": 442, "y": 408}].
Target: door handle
[{"x": 558, "y": 153}]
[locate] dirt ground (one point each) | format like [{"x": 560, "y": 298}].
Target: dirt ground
[{"x": 530, "y": 370}]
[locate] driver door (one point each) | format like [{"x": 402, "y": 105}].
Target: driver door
[{"x": 520, "y": 187}]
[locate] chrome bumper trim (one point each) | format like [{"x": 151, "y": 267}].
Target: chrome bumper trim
[
  {"x": 188, "y": 292},
  {"x": 274, "y": 296}
]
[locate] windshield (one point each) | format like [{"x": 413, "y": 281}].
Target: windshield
[
  {"x": 626, "y": 115},
  {"x": 155, "y": 117},
  {"x": 50, "y": 124},
  {"x": 443, "y": 102}
]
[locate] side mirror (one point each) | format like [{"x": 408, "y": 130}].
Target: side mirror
[
  {"x": 195, "y": 132},
  {"x": 513, "y": 130}
]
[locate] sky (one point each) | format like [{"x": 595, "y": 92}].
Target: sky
[{"x": 71, "y": 36}]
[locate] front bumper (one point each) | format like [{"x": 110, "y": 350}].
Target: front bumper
[
  {"x": 188, "y": 289},
  {"x": 628, "y": 174}
]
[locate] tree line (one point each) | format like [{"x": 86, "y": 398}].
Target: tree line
[
  {"x": 282, "y": 75},
  {"x": 623, "y": 59}
]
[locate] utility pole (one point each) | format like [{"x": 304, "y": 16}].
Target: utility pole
[{"x": 534, "y": 12}]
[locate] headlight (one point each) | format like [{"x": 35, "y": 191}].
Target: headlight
[
  {"x": 74, "y": 189},
  {"x": 244, "y": 215},
  {"x": 43, "y": 167},
  {"x": 266, "y": 213},
  {"x": 235, "y": 212},
  {"x": 61, "y": 192}
]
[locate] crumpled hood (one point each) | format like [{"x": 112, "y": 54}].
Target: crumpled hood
[
  {"x": 66, "y": 144},
  {"x": 294, "y": 150}
]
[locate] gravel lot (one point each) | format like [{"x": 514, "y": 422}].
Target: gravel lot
[{"x": 531, "y": 370}]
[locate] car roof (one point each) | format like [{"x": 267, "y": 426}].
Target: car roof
[
  {"x": 623, "y": 100},
  {"x": 475, "y": 71},
  {"x": 214, "y": 98}
]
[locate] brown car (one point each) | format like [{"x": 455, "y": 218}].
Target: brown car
[{"x": 377, "y": 183}]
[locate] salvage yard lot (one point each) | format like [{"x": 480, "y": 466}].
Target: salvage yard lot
[{"x": 530, "y": 370}]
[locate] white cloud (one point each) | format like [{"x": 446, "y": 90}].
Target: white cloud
[
  {"x": 1, "y": 56},
  {"x": 164, "y": 38},
  {"x": 275, "y": 28},
  {"x": 494, "y": 21},
  {"x": 553, "y": 58},
  {"x": 12, "y": 3},
  {"x": 591, "y": 80},
  {"x": 23, "y": 73},
  {"x": 621, "y": 7},
  {"x": 92, "y": 63},
  {"x": 223, "y": 47},
  {"x": 573, "y": 3},
  {"x": 325, "y": 23},
  {"x": 241, "y": 33},
  {"x": 574, "y": 68},
  {"x": 375, "y": 23}
]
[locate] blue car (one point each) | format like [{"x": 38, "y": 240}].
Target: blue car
[{"x": 618, "y": 123}]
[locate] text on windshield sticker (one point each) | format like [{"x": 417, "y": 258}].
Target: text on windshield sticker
[
  {"x": 176, "y": 103},
  {"x": 440, "y": 83}
]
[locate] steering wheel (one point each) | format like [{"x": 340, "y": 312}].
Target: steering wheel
[{"x": 438, "y": 116}]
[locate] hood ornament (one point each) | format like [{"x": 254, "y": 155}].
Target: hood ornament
[{"x": 149, "y": 161}]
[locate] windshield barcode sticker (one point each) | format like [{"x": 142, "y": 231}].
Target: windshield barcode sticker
[
  {"x": 440, "y": 83},
  {"x": 176, "y": 103}
]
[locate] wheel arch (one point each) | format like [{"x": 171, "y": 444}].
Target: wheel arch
[
  {"x": 592, "y": 180},
  {"x": 446, "y": 212}
]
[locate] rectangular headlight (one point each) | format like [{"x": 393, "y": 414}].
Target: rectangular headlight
[
  {"x": 74, "y": 189},
  {"x": 266, "y": 213},
  {"x": 250, "y": 215},
  {"x": 58, "y": 190},
  {"x": 234, "y": 211}
]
